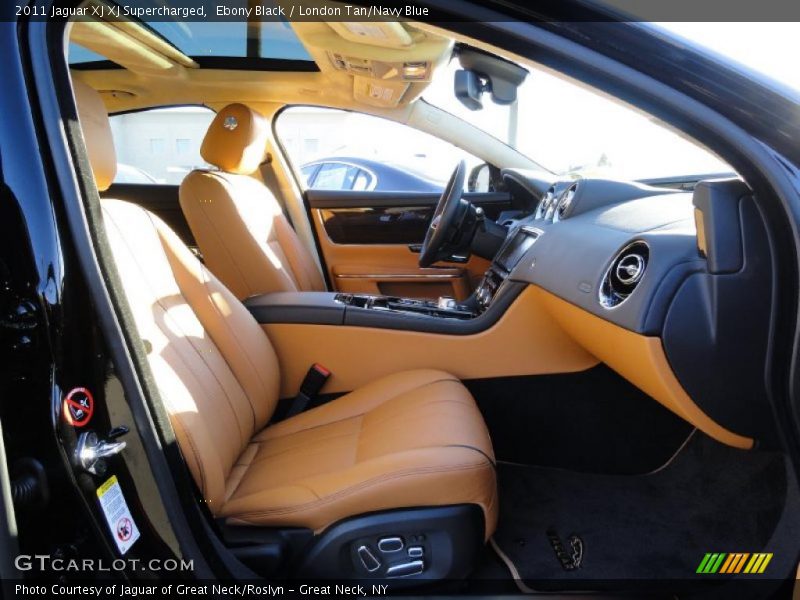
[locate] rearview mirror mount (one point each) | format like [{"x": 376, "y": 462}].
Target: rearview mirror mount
[{"x": 483, "y": 72}]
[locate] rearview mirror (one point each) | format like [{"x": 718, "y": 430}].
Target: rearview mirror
[
  {"x": 469, "y": 88},
  {"x": 483, "y": 72}
]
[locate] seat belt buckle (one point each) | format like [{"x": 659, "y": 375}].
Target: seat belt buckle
[
  {"x": 312, "y": 384},
  {"x": 314, "y": 381}
]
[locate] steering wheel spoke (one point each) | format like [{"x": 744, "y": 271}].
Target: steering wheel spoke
[{"x": 445, "y": 222}]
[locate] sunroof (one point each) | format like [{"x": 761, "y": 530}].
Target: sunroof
[
  {"x": 268, "y": 39},
  {"x": 273, "y": 42}
]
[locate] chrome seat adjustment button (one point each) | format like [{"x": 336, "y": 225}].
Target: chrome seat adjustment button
[
  {"x": 368, "y": 559},
  {"x": 416, "y": 552},
  {"x": 390, "y": 544},
  {"x": 407, "y": 569}
]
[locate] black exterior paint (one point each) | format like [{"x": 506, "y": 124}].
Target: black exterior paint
[{"x": 51, "y": 341}]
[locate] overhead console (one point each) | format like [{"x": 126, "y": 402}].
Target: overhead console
[{"x": 389, "y": 62}]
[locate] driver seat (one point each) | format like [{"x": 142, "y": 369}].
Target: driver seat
[{"x": 243, "y": 235}]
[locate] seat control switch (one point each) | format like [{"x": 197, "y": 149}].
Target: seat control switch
[
  {"x": 416, "y": 552},
  {"x": 368, "y": 559},
  {"x": 407, "y": 569},
  {"x": 390, "y": 544}
]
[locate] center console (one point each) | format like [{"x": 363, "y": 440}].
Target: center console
[
  {"x": 445, "y": 315},
  {"x": 443, "y": 308},
  {"x": 509, "y": 255}
]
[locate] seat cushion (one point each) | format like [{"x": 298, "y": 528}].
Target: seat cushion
[{"x": 408, "y": 440}]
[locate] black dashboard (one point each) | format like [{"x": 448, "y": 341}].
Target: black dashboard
[
  {"x": 691, "y": 268},
  {"x": 592, "y": 231}
]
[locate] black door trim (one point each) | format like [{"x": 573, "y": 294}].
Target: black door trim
[{"x": 350, "y": 199}]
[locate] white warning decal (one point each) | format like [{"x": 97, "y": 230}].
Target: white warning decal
[{"x": 118, "y": 516}]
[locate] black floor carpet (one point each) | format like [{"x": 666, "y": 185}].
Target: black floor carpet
[
  {"x": 593, "y": 421},
  {"x": 650, "y": 528}
]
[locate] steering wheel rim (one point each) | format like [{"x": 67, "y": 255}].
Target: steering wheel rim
[{"x": 440, "y": 230}]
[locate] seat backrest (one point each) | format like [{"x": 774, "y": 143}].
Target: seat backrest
[
  {"x": 216, "y": 370},
  {"x": 242, "y": 233}
]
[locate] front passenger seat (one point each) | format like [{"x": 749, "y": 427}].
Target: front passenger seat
[
  {"x": 395, "y": 479},
  {"x": 243, "y": 235}
]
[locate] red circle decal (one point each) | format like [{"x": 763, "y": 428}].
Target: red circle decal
[
  {"x": 124, "y": 529},
  {"x": 78, "y": 407}
]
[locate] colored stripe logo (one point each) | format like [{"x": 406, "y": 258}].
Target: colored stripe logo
[{"x": 734, "y": 562}]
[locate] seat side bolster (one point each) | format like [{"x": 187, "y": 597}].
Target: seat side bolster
[
  {"x": 306, "y": 274},
  {"x": 234, "y": 331}
]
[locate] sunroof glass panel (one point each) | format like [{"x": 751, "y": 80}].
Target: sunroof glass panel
[{"x": 273, "y": 40}]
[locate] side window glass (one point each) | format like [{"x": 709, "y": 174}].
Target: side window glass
[
  {"x": 335, "y": 176},
  {"x": 361, "y": 152},
  {"x": 308, "y": 173},
  {"x": 362, "y": 182},
  {"x": 161, "y": 145}
]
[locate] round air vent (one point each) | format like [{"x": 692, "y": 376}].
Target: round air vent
[
  {"x": 545, "y": 202},
  {"x": 565, "y": 202},
  {"x": 624, "y": 274}
]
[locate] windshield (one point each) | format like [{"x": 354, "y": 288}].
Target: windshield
[{"x": 573, "y": 131}]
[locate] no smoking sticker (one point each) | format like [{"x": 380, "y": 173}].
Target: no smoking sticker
[
  {"x": 124, "y": 529},
  {"x": 117, "y": 514},
  {"x": 78, "y": 407}
]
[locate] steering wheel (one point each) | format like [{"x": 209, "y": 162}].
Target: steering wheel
[{"x": 444, "y": 224}]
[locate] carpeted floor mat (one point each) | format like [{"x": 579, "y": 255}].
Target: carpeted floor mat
[{"x": 710, "y": 498}]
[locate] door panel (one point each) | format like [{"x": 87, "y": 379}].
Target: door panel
[
  {"x": 379, "y": 225},
  {"x": 365, "y": 239}
]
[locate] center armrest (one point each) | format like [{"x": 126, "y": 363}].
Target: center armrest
[{"x": 318, "y": 308}]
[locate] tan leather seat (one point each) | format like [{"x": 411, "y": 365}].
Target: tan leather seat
[
  {"x": 414, "y": 439},
  {"x": 242, "y": 233}
]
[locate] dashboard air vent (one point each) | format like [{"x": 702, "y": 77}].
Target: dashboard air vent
[
  {"x": 544, "y": 204},
  {"x": 565, "y": 202},
  {"x": 624, "y": 274}
]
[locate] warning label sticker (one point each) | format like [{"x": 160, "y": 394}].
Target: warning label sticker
[
  {"x": 78, "y": 407},
  {"x": 117, "y": 514}
]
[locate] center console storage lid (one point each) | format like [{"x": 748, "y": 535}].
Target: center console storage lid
[{"x": 296, "y": 307}]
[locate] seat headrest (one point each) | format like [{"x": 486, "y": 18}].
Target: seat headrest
[
  {"x": 96, "y": 134},
  {"x": 236, "y": 140}
]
